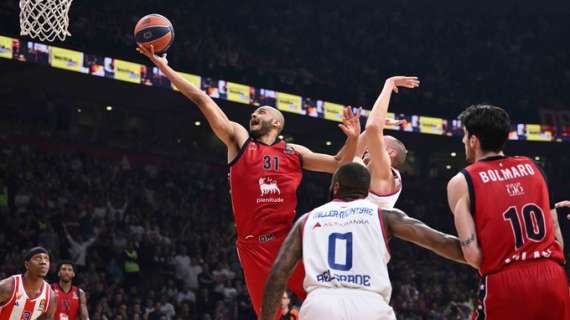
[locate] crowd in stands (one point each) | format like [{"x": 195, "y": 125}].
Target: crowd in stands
[{"x": 342, "y": 51}]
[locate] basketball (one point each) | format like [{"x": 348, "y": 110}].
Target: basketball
[{"x": 156, "y": 30}]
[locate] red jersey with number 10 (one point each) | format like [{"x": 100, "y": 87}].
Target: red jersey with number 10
[
  {"x": 511, "y": 208},
  {"x": 264, "y": 181},
  {"x": 67, "y": 303}
]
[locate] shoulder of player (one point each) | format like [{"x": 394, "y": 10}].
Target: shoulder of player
[
  {"x": 393, "y": 214},
  {"x": 457, "y": 181},
  {"x": 392, "y": 217},
  {"x": 302, "y": 220},
  {"x": 7, "y": 287}
]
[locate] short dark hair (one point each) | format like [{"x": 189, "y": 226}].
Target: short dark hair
[
  {"x": 65, "y": 262},
  {"x": 490, "y": 124},
  {"x": 353, "y": 179}
]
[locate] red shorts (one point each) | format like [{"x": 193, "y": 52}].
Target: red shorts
[
  {"x": 535, "y": 289},
  {"x": 257, "y": 257}
]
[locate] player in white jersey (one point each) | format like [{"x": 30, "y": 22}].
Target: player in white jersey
[
  {"x": 384, "y": 155},
  {"x": 343, "y": 247},
  {"x": 28, "y": 296}
]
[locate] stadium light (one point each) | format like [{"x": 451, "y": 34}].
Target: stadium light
[
  {"x": 537, "y": 158},
  {"x": 79, "y": 110},
  {"x": 448, "y": 167},
  {"x": 197, "y": 123},
  {"x": 328, "y": 143},
  {"x": 281, "y": 137},
  {"x": 453, "y": 154},
  {"x": 109, "y": 108}
]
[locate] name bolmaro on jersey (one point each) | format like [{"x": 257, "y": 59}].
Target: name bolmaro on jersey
[
  {"x": 344, "y": 247},
  {"x": 510, "y": 204}
]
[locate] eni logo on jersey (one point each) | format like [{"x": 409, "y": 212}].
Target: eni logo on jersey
[
  {"x": 268, "y": 186},
  {"x": 268, "y": 189}
]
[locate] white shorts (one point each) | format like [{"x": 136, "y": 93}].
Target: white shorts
[{"x": 345, "y": 304}]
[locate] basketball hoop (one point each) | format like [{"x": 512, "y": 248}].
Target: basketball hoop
[{"x": 45, "y": 19}]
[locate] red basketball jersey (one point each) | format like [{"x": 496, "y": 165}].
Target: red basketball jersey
[
  {"x": 511, "y": 208},
  {"x": 264, "y": 181},
  {"x": 67, "y": 303}
]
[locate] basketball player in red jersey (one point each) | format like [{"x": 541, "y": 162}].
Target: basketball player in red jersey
[
  {"x": 28, "y": 296},
  {"x": 264, "y": 176},
  {"x": 503, "y": 218},
  {"x": 71, "y": 300}
]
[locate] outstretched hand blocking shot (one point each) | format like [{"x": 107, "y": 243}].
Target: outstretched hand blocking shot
[
  {"x": 265, "y": 173},
  {"x": 382, "y": 154}
]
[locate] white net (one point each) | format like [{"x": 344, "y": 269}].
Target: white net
[{"x": 45, "y": 19}]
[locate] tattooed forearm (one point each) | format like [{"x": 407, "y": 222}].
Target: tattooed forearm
[{"x": 466, "y": 242}]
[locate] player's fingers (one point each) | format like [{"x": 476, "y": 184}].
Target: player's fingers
[
  {"x": 152, "y": 49},
  {"x": 565, "y": 203}
]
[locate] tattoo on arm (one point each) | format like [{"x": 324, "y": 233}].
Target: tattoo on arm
[{"x": 468, "y": 241}]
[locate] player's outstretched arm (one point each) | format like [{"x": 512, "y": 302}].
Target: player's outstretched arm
[
  {"x": 321, "y": 162},
  {"x": 289, "y": 254},
  {"x": 380, "y": 166},
  {"x": 400, "y": 225},
  {"x": 6, "y": 290},
  {"x": 231, "y": 133},
  {"x": 459, "y": 203},
  {"x": 83, "y": 311}
]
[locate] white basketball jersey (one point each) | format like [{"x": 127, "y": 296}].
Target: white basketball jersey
[
  {"x": 21, "y": 307},
  {"x": 388, "y": 201},
  {"x": 344, "y": 247}
]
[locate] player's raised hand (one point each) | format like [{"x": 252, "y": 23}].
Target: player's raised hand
[
  {"x": 403, "y": 81},
  {"x": 149, "y": 53},
  {"x": 350, "y": 122}
]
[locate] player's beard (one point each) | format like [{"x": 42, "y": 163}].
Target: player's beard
[{"x": 264, "y": 128}]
